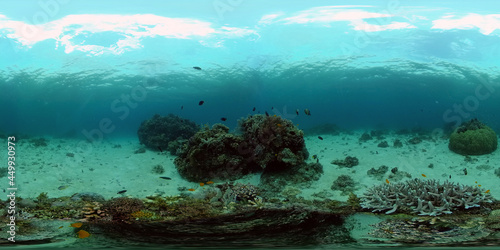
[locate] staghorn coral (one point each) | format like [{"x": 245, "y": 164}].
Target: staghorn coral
[{"x": 427, "y": 197}]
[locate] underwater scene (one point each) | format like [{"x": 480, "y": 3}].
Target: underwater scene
[{"x": 238, "y": 124}]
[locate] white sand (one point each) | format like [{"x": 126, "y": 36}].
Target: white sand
[{"x": 106, "y": 170}]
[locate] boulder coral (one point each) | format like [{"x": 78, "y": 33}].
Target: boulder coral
[
  {"x": 158, "y": 132},
  {"x": 213, "y": 154},
  {"x": 473, "y": 138},
  {"x": 266, "y": 143}
]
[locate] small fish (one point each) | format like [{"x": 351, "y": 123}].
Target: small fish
[
  {"x": 202, "y": 184},
  {"x": 475, "y": 182},
  {"x": 77, "y": 224},
  {"x": 272, "y": 108},
  {"x": 479, "y": 185},
  {"x": 182, "y": 107},
  {"x": 424, "y": 175},
  {"x": 450, "y": 176},
  {"x": 121, "y": 192},
  {"x": 201, "y": 103},
  {"x": 83, "y": 234},
  {"x": 319, "y": 137},
  {"x": 267, "y": 114},
  {"x": 160, "y": 149},
  {"x": 315, "y": 156},
  {"x": 279, "y": 125},
  {"x": 223, "y": 119},
  {"x": 197, "y": 68},
  {"x": 297, "y": 111},
  {"x": 465, "y": 171},
  {"x": 487, "y": 191},
  {"x": 61, "y": 227},
  {"x": 165, "y": 178},
  {"x": 191, "y": 189},
  {"x": 62, "y": 187},
  {"x": 253, "y": 109},
  {"x": 387, "y": 181},
  {"x": 210, "y": 182},
  {"x": 307, "y": 111}
]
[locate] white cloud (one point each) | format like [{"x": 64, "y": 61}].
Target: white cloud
[
  {"x": 486, "y": 24},
  {"x": 132, "y": 28},
  {"x": 349, "y": 13}
]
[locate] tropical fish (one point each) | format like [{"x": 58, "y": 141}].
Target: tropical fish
[
  {"x": 424, "y": 175},
  {"x": 201, "y": 103},
  {"x": 297, "y": 111},
  {"x": 307, "y": 111},
  {"x": 253, "y": 109},
  {"x": 487, "y": 191},
  {"x": 272, "y": 108},
  {"x": 76, "y": 224},
  {"x": 267, "y": 114},
  {"x": 182, "y": 107},
  {"x": 197, "y": 68},
  {"x": 191, "y": 189},
  {"x": 319, "y": 137},
  {"x": 61, "y": 227},
  {"x": 160, "y": 149},
  {"x": 210, "y": 182},
  {"x": 62, "y": 187},
  {"x": 223, "y": 119},
  {"x": 279, "y": 125},
  {"x": 83, "y": 234},
  {"x": 202, "y": 184},
  {"x": 387, "y": 181},
  {"x": 121, "y": 192},
  {"x": 165, "y": 178},
  {"x": 315, "y": 156}
]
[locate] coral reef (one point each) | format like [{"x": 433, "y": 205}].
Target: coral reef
[
  {"x": 214, "y": 154},
  {"x": 344, "y": 183},
  {"x": 365, "y": 137},
  {"x": 158, "y": 169},
  {"x": 273, "y": 141},
  {"x": 348, "y": 162},
  {"x": 428, "y": 197},
  {"x": 267, "y": 143},
  {"x": 160, "y": 131},
  {"x": 398, "y": 143},
  {"x": 473, "y": 138},
  {"x": 121, "y": 209},
  {"x": 378, "y": 172},
  {"x": 383, "y": 144}
]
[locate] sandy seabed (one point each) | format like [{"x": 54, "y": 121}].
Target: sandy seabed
[{"x": 68, "y": 166}]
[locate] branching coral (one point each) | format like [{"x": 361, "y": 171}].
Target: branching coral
[{"x": 427, "y": 197}]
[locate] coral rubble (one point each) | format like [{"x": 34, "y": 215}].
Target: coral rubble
[{"x": 425, "y": 197}]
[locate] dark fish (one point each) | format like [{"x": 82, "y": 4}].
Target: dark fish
[
  {"x": 182, "y": 107},
  {"x": 196, "y": 67},
  {"x": 121, "y": 192},
  {"x": 160, "y": 149},
  {"x": 267, "y": 114},
  {"x": 465, "y": 171},
  {"x": 315, "y": 156},
  {"x": 272, "y": 108},
  {"x": 253, "y": 109},
  {"x": 201, "y": 103},
  {"x": 319, "y": 137},
  {"x": 297, "y": 111},
  {"x": 450, "y": 176},
  {"x": 307, "y": 111},
  {"x": 166, "y": 178},
  {"x": 223, "y": 119}
]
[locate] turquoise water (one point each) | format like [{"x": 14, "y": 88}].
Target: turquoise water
[{"x": 65, "y": 66}]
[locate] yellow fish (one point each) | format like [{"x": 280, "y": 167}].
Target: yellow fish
[
  {"x": 487, "y": 191},
  {"x": 77, "y": 224},
  {"x": 424, "y": 175},
  {"x": 387, "y": 181},
  {"x": 202, "y": 184},
  {"x": 191, "y": 189},
  {"x": 210, "y": 182},
  {"x": 83, "y": 234}
]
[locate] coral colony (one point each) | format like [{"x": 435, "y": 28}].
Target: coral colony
[{"x": 425, "y": 197}]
